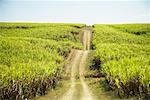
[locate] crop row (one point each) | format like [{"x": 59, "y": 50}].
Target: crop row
[
  {"x": 137, "y": 29},
  {"x": 124, "y": 58},
  {"x": 31, "y": 59}
]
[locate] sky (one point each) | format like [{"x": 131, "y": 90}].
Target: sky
[{"x": 75, "y": 11}]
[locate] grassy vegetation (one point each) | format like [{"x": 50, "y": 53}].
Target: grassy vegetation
[
  {"x": 123, "y": 53},
  {"x": 31, "y": 56},
  {"x": 137, "y": 29}
]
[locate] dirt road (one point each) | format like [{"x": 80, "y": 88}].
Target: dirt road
[
  {"x": 86, "y": 92},
  {"x": 69, "y": 95},
  {"x": 77, "y": 86},
  {"x": 78, "y": 69},
  {"x": 86, "y": 39}
]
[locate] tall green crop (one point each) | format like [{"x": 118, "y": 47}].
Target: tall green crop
[
  {"x": 32, "y": 56},
  {"x": 124, "y": 52}
]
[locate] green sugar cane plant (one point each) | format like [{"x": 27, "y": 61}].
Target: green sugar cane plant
[
  {"x": 32, "y": 56},
  {"x": 124, "y": 57}
]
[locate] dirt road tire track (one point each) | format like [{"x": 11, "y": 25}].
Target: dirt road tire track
[
  {"x": 80, "y": 62},
  {"x": 74, "y": 66},
  {"x": 86, "y": 91}
]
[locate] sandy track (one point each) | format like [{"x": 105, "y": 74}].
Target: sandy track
[
  {"x": 86, "y": 91},
  {"x": 78, "y": 67},
  {"x": 86, "y": 39},
  {"x": 79, "y": 64},
  {"x": 74, "y": 69}
]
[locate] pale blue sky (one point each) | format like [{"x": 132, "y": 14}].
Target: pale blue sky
[{"x": 79, "y": 11}]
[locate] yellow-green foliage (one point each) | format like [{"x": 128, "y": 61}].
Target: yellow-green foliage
[
  {"x": 125, "y": 55},
  {"x": 136, "y": 29},
  {"x": 30, "y": 53},
  {"x": 57, "y": 32}
]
